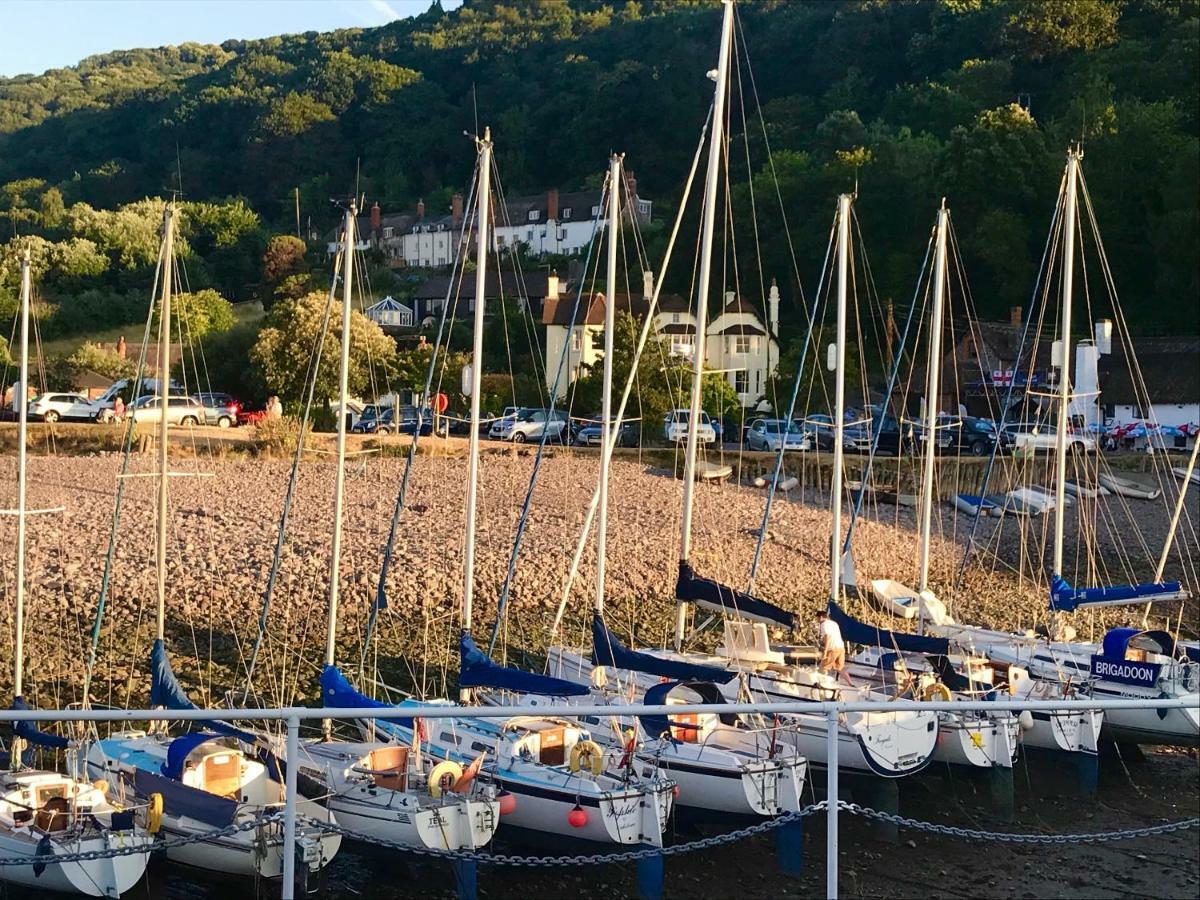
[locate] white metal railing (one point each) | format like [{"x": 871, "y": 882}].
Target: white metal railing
[{"x": 293, "y": 716}]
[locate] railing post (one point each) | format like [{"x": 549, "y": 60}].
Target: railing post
[
  {"x": 289, "y": 808},
  {"x": 831, "y": 800}
]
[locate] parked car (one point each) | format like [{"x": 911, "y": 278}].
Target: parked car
[
  {"x": 180, "y": 410},
  {"x": 219, "y": 409},
  {"x": 406, "y": 423},
  {"x": 1035, "y": 436},
  {"x": 528, "y": 424},
  {"x": 769, "y": 434},
  {"x": 69, "y": 407},
  {"x": 590, "y": 434},
  {"x": 129, "y": 391},
  {"x": 373, "y": 419},
  {"x": 964, "y": 434},
  {"x": 821, "y": 428},
  {"x": 675, "y": 427}
]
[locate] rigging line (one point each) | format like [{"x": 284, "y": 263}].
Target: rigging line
[
  {"x": 114, "y": 525},
  {"x": 631, "y": 379},
  {"x": 885, "y": 405},
  {"x": 1038, "y": 284},
  {"x": 345, "y": 258},
  {"x": 523, "y": 521},
  {"x": 463, "y": 252},
  {"x": 799, "y": 377}
]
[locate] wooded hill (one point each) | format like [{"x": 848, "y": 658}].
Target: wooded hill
[{"x": 975, "y": 100}]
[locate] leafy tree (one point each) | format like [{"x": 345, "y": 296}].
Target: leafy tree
[
  {"x": 52, "y": 208},
  {"x": 200, "y": 313},
  {"x": 1050, "y": 29},
  {"x": 285, "y": 347},
  {"x": 284, "y": 257},
  {"x": 92, "y": 358}
]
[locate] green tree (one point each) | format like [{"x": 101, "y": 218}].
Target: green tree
[
  {"x": 283, "y": 258},
  {"x": 285, "y": 347},
  {"x": 200, "y": 313}
]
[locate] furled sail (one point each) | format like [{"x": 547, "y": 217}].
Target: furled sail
[
  {"x": 861, "y": 633},
  {"x": 35, "y": 735},
  {"x": 168, "y": 693},
  {"x": 607, "y": 650},
  {"x": 1065, "y": 598},
  {"x": 477, "y": 669},
  {"x": 691, "y": 588}
]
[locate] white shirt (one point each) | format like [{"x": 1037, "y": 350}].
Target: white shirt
[{"x": 831, "y": 635}]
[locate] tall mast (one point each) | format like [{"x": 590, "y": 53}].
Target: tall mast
[
  {"x": 482, "y": 221},
  {"x": 1064, "y": 369},
  {"x": 932, "y": 392},
  {"x": 716, "y": 144},
  {"x": 22, "y": 398},
  {"x": 839, "y": 405},
  {"x": 163, "y": 394},
  {"x": 610, "y": 320},
  {"x": 339, "y": 490}
]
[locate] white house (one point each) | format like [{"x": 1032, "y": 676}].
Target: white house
[
  {"x": 390, "y": 313},
  {"x": 737, "y": 342}
]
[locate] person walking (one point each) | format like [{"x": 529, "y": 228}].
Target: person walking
[{"x": 833, "y": 648}]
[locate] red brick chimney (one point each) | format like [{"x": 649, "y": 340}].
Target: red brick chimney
[
  {"x": 552, "y": 204},
  {"x": 420, "y": 209},
  {"x": 1015, "y": 315},
  {"x": 376, "y": 217},
  {"x": 456, "y": 209}
]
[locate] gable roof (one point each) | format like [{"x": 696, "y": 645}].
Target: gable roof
[{"x": 1169, "y": 368}]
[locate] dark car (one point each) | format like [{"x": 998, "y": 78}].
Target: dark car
[
  {"x": 894, "y": 437},
  {"x": 964, "y": 435},
  {"x": 589, "y": 435}
]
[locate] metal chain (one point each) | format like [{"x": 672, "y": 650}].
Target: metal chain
[
  {"x": 139, "y": 849},
  {"x": 1012, "y": 838},
  {"x": 501, "y": 859}
]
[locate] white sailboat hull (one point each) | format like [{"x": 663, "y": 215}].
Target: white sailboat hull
[
  {"x": 986, "y": 742},
  {"x": 95, "y": 878}
]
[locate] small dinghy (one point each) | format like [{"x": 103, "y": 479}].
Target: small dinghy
[
  {"x": 895, "y": 597},
  {"x": 1182, "y": 472},
  {"x": 1031, "y": 502},
  {"x": 1068, "y": 500},
  {"x": 1127, "y": 487},
  {"x": 710, "y": 471},
  {"x": 1086, "y": 491},
  {"x": 976, "y": 505},
  {"x": 882, "y": 496}
]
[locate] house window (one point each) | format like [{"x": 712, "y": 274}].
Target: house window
[
  {"x": 576, "y": 340},
  {"x": 674, "y": 318},
  {"x": 595, "y": 211},
  {"x": 566, "y": 213},
  {"x": 387, "y": 232},
  {"x": 741, "y": 381},
  {"x": 741, "y": 344},
  {"x": 529, "y": 236},
  {"x": 534, "y": 215},
  {"x": 499, "y": 240}
]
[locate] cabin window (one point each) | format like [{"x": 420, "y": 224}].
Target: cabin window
[
  {"x": 449, "y": 738},
  {"x": 479, "y": 747}
]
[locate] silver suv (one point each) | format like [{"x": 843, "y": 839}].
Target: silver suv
[{"x": 180, "y": 410}]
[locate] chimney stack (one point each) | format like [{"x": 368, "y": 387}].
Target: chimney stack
[
  {"x": 1015, "y": 316},
  {"x": 456, "y": 209},
  {"x": 552, "y": 285},
  {"x": 376, "y": 217},
  {"x": 552, "y": 204},
  {"x": 647, "y": 284},
  {"x": 773, "y": 308},
  {"x": 421, "y": 209}
]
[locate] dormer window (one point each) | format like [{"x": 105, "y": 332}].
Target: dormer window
[
  {"x": 387, "y": 232},
  {"x": 566, "y": 213},
  {"x": 534, "y": 215},
  {"x": 595, "y": 211}
]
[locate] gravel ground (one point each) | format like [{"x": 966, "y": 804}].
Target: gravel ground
[{"x": 224, "y": 523}]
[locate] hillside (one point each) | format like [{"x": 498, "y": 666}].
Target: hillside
[{"x": 975, "y": 100}]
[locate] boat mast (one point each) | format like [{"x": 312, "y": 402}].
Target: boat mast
[
  {"x": 339, "y": 490},
  {"x": 610, "y": 320},
  {"x": 482, "y": 220},
  {"x": 839, "y": 404},
  {"x": 163, "y": 394},
  {"x": 1064, "y": 368},
  {"x": 716, "y": 145},
  {"x": 932, "y": 393},
  {"x": 21, "y": 396}
]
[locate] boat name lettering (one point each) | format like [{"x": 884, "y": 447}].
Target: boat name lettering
[{"x": 1125, "y": 671}]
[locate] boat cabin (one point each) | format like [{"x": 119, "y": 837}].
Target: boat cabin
[
  {"x": 225, "y": 771},
  {"x": 748, "y": 643},
  {"x": 46, "y": 801},
  {"x": 548, "y": 741}
]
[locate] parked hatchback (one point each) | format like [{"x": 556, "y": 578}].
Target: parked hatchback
[
  {"x": 770, "y": 434},
  {"x": 68, "y": 407},
  {"x": 180, "y": 410},
  {"x": 675, "y": 428},
  {"x": 219, "y": 409},
  {"x": 529, "y": 424}
]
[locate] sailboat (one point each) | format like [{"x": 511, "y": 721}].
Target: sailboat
[
  {"x": 377, "y": 788},
  {"x": 205, "y": 780},
  {"x": 719, "y": 765},
  {"x": 1130, "y": 662},
  {"x": 44, "y": 814},
  {"x": 555, "y": 779}
]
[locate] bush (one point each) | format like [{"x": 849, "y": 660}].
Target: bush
[{"x": 276, "y": 437}]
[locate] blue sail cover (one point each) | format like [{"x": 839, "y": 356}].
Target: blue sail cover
[
  {"x": 35, "y": 735},
  {"x": 167, "y": 692},
  {"x": 657, "y": 696},
  {"x": 477, "y": 669},
  {"x": 607, "y": 650},
  {"x": 861, "y": 633},
  {"x": 1117, "y": 639},
  {"x": 181, "y": 800},
  {"x": 1064, "y": 598},
  {"x": 338, "y": 693},
  {"x": 690, "y": 588}
]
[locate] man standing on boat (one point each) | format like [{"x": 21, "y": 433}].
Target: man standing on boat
[{"x": 833, "y": 648}]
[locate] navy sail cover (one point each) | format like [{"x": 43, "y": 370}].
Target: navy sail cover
[
  {"x": 35, "y": 735},
  {"x": 477, "y": 669},
  {"x": 1064, "y": 598},
  {"x": 861, "y": 633},
  {"x": 607, "y": 650},
  {"x": 168, "y": 693},
  {"x": 691, "y": 588},
  {"x": 657, "y": 696}
]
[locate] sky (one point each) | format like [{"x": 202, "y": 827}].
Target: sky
[{"x": 47, "y": 34}]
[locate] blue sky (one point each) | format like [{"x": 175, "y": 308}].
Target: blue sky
[{"x": 47, "y": 34}]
